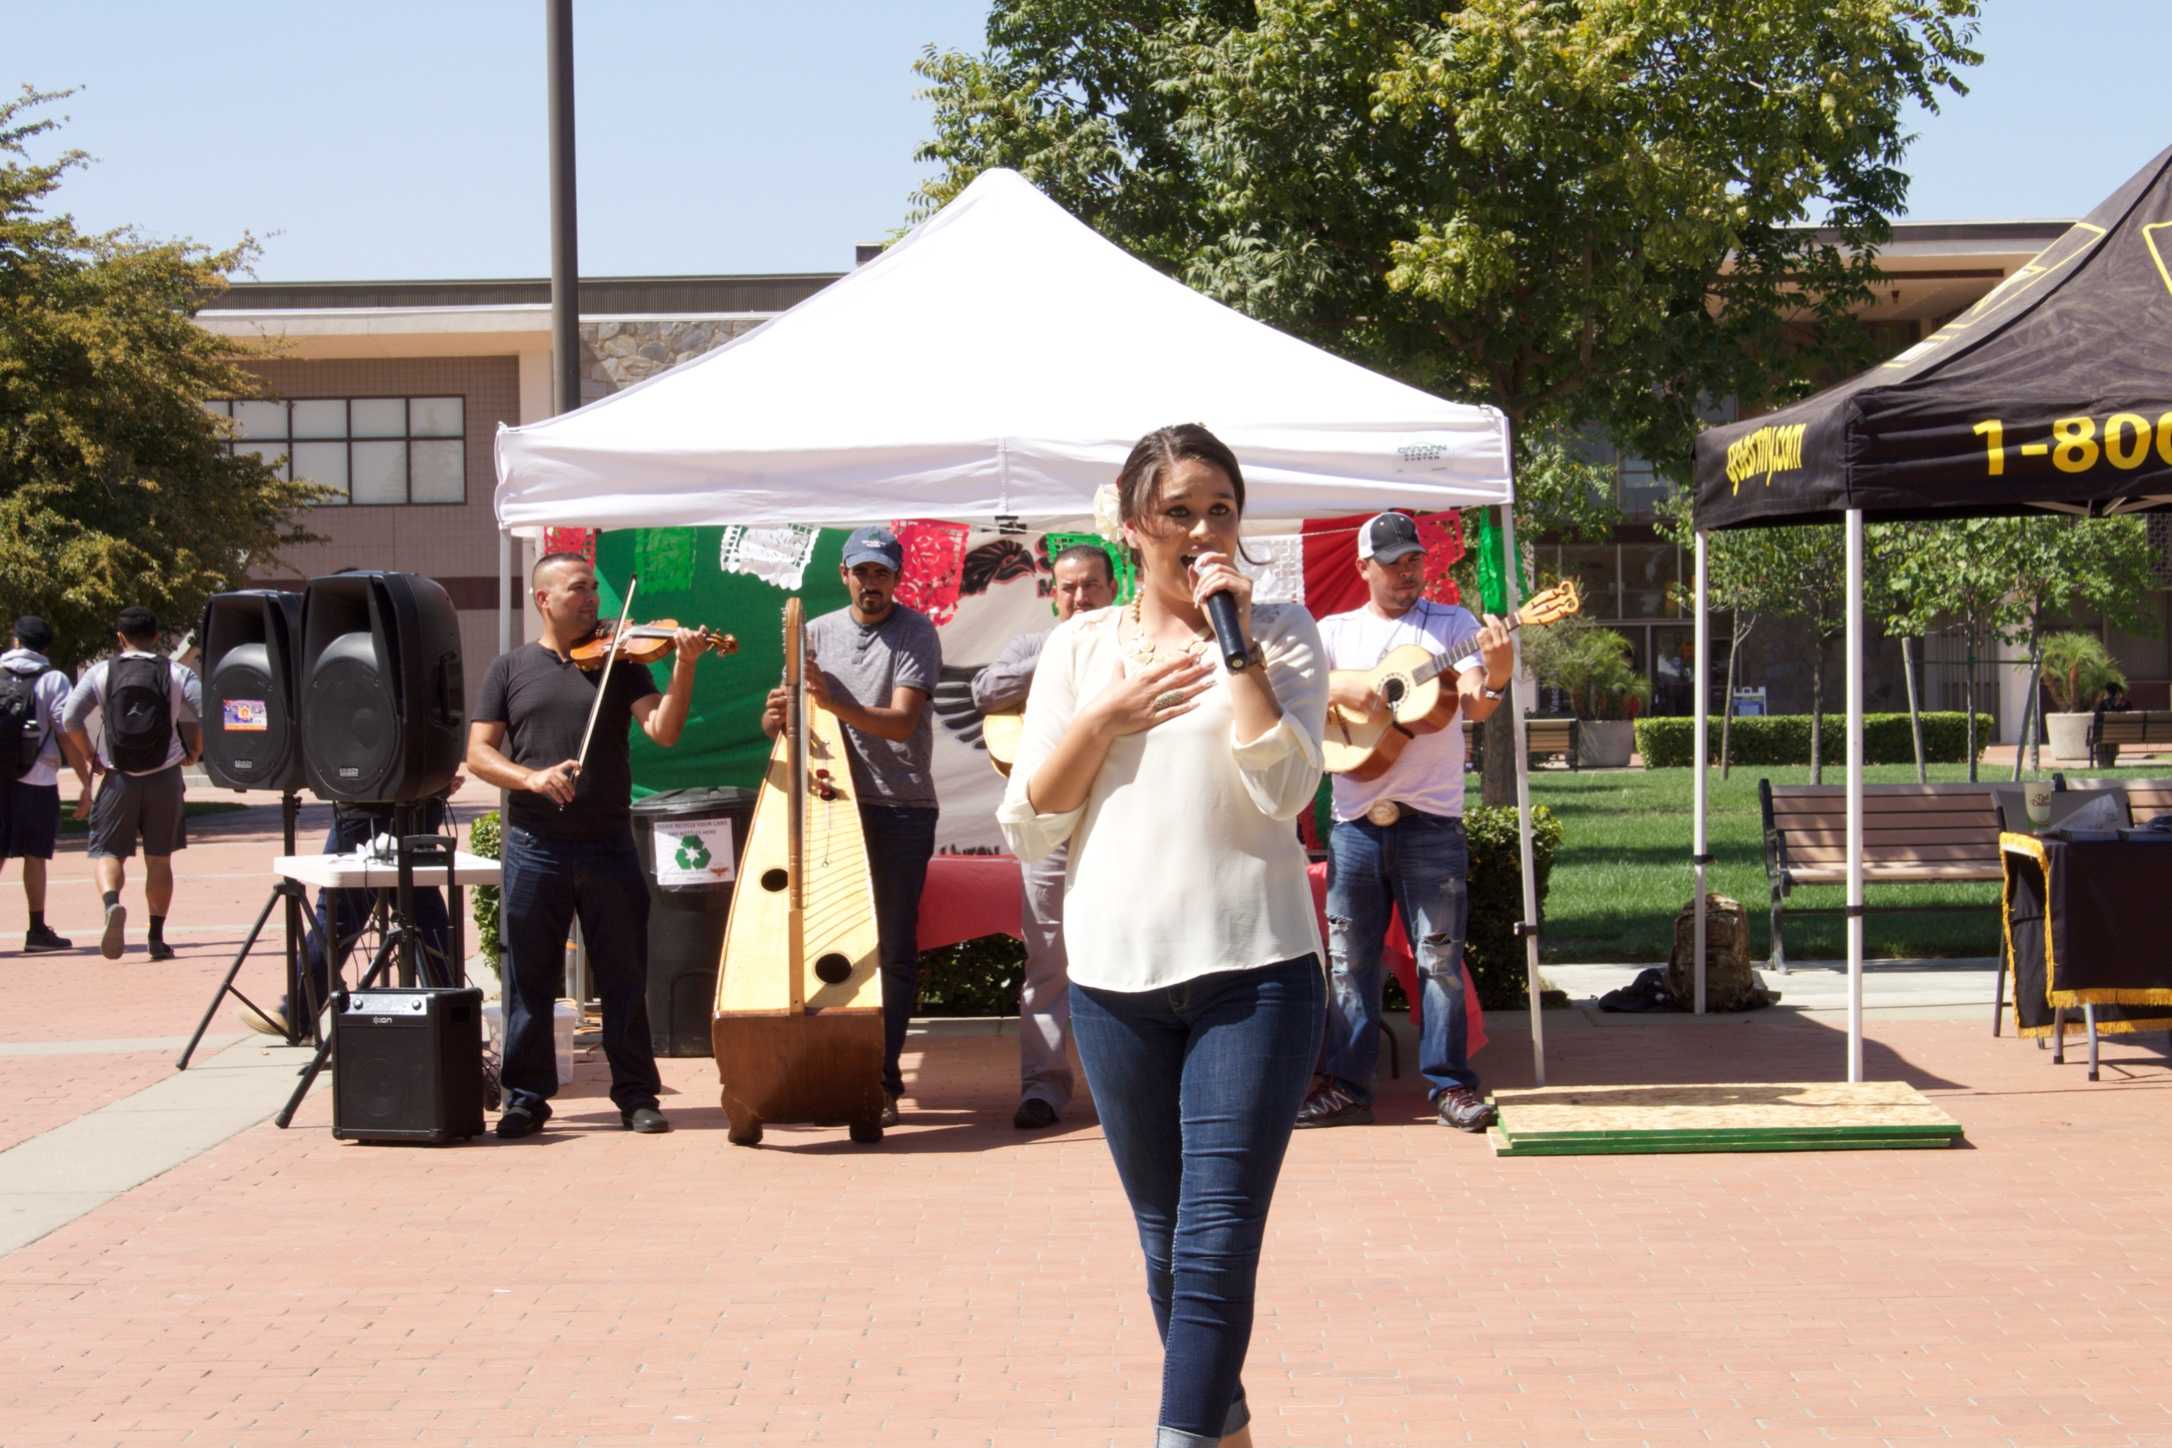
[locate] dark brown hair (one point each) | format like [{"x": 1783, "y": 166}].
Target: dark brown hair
[{"x": 1155, "y": 456}]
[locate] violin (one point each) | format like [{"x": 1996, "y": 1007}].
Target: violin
[{"x": 644, "y": 643}]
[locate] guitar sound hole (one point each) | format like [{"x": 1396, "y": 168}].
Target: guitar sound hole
[
  {"x": 775, "y": 879},
  {"x": 833, "y": 969},
  {"x": 1392, "y": 691}
]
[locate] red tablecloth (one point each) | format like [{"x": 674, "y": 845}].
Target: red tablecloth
[{"x": 968, "y": 896}]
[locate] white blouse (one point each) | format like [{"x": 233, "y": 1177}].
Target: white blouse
[{"x": 1184, "y": 857}]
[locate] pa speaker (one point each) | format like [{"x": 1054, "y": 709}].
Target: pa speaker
[
  {"x": 251, "y": 641},
  {"x": 383, "y": 700},
  {"x": 409, "y": 1065}
]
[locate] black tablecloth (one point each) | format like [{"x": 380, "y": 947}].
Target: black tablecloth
[{"x": 2086, "y": 924}]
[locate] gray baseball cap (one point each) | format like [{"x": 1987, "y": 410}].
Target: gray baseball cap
[
  {"x": 875, "y": 544},
  {"x": 1387, "y": 537}
]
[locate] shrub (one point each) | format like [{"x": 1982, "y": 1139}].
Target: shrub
[
  {"x": 1594, "y": 666},
  {"x": 485, "y": 839},
  {"x": 1785, "y": 739},
  {"x": 2077, "y": 670},
  {"x": 973, "y": 978}
]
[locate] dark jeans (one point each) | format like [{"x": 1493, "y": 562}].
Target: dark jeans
[
  {"x": 547, "y": 882},
  {"x": 341, "y": 915},
  {"x": 900, "y": 840},
  {"x": 1419, "y": 865},
  {"x": 1198, "y": 1087}
]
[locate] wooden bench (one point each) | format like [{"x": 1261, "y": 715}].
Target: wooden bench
[
  {"x": 1542, "y": 739},
  {"x": 2137, "y": 727},
  {"x": 1913, "y": 834},
  {"x": 2146, "y": 798}
]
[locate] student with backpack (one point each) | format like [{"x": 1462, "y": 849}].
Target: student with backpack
[
  {"x": 149, "y": 707},
  {"x": 33, "y": 696}
]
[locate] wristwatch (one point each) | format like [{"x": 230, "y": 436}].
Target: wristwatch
[{"x": 1487, "y": 691}]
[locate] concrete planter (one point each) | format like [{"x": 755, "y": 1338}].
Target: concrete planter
[
  {"x": 2069, "y": 737},
  {"x": 1605, "y": 743}
]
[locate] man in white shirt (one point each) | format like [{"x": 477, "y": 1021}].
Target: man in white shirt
[
  {"x": 1398, "y": 839},
  {"x": 148, "y": 709},
  {"x": 33, "y": 695},
  {"x": 1085, "y": 580}
]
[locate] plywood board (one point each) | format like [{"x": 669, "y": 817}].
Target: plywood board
[{"x": 1720, "y": 1116}]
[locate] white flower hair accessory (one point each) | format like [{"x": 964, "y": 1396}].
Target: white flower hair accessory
[{"x": 1109, "y": 513}]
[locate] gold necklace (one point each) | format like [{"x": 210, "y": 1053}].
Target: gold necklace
[{"x": 1144, "y": 648}]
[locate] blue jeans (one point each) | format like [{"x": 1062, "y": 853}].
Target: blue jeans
[
  {"x": 547, "y": 882},
  {"x": 1420, "y": 866},
  {"x": 341, "y": 915},
  {"x": 1198, "y": 1087},
  {"x": 900, "y": 839}
]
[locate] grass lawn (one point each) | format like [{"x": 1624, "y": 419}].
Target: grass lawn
[{"x": 1624, "y": 871}]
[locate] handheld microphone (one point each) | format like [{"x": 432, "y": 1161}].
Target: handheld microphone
[{"x": 1222, "y": 613}]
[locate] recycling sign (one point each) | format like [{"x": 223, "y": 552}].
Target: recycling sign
[{"x": 692, "y": 852}]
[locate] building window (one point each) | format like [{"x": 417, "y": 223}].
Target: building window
[{"x": 367, "y": 450}]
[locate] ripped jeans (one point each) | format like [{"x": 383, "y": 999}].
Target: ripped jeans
[{"x": 1417, "y": 865}]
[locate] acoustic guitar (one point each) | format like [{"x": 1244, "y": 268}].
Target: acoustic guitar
[
  {"x": 1419, "y": 690},
  {"x": 1002, "y": 732}
]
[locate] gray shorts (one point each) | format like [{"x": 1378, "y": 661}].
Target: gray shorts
[{"x": 132, "y": 805}]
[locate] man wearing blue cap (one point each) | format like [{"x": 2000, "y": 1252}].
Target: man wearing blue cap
[{"x": 874, "y": 664}]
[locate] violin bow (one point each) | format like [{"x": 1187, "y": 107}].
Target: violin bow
[{"x": 603, "y": 685}]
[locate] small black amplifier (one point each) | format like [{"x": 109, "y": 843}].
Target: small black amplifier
[{"x": 407, "y": 1065}]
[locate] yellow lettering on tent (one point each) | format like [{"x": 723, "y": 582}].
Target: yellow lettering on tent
[
  {"x": 2072, "y": 244},
  {"x": 1767, "y": 451},
  {"x": 2156, "y": 253}
]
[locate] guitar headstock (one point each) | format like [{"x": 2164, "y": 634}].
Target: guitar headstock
[{"x": 1552, "y": 605}]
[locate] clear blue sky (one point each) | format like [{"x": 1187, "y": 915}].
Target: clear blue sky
[{"x": 398, "y": 139}]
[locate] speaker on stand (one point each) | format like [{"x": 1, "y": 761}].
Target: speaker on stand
[
  {"x": 252, "y": 740},
  {"x": 382, "y": 703}
]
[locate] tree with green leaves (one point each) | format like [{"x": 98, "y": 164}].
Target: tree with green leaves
[
  {"x": 115, "y": 484},
  {"x": 1584, "y": 212}
]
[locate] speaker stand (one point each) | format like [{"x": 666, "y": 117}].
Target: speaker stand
[
  {"x": 402, "y": 946},
  {"x": 296, "y": 896}
]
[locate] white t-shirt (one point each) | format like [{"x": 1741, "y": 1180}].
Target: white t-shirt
[
  {"x": 1428, "y": 774},
  {"x": 1184, "y": 857}
]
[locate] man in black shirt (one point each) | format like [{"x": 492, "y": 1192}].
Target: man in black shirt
[{"x": 568, "y": 840}]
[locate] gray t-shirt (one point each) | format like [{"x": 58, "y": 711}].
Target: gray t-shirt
[
  {"x": 867, "y": 665},
  {"x": 185, "y": 700}
]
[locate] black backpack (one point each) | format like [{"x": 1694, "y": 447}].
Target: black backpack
[
  {"x": 22, "y": 722},
  {"x": 139, "y": 714}
]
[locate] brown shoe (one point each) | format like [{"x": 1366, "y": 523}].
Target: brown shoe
[
  {"x": 1466, "y": 1110},
  {"x": 1333, "y": 1105}
]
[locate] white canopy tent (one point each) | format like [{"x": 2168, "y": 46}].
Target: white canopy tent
[{"x": 998, "y": 363}]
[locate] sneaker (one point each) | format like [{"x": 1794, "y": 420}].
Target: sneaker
[
  {"x": 1034, "y": 1114},
  {"x": 1333, "y": 1105},
  {"x": 1466, "y": 1110},
  {"x": 42, "y": 939},
  {"x": 160, "y": 950},
  {"x": 645, "y": 1119},
  {"x": 109, "y": 944},
  {"x": 889, "y": 1109},
  {"x": 519, "y": 1121}
]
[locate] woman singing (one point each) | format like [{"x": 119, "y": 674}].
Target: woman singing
[{"x": 1196, "y": 991}]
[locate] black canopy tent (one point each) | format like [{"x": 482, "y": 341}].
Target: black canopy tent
[{"x": 2052, "y": 392}]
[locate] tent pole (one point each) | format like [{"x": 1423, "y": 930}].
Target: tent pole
[
  {"x": 1855, "y": 794},
  {"x": 1698, "y": 713},
  {"x": 1512, "y": 573},
  {"x": 505, "y": 617}
]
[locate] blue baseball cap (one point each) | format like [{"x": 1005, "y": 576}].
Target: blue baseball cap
[{"x": 874, "y": 545}]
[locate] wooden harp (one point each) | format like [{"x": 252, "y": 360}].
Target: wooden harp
[{"x": 797, "y": 1029}]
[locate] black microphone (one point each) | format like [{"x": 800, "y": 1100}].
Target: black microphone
[{"x": 1222, "y": 613}]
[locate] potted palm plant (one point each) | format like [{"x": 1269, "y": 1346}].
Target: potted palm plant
[
  {"x": 2077, "y": 669},
  {"x": 1595, "y": 667}
]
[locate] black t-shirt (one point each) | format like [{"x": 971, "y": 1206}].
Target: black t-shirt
[{"x": 543, "y": 702}]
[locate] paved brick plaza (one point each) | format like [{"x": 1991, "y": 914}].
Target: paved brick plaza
[{"x": 963, "y": 1284}]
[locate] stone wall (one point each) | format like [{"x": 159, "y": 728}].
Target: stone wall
[{"x": 615, "y": 355}]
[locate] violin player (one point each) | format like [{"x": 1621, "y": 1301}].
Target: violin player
[{"x": 568, "y": 846}]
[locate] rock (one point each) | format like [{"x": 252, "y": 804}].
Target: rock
[{"x": 1730, "y": 984}]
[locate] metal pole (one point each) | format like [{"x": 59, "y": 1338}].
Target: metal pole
[
  {"x": 1855, "y": 794},
  {"x": 1698, "y": 712},
  {"x": 565, "y": 226},
  {"x": 1512, "y": 591}
]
